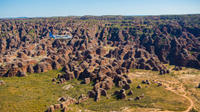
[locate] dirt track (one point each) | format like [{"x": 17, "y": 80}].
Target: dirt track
[
  {"x": 179, "y": 91},
  {"x": 184, "y": 95}
]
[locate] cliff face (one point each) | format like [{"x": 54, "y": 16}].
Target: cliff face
[{"x": 133, "y": 42}]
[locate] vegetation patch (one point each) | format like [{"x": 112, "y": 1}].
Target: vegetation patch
[
  {"x": 32, "y": 93},
  {"x": 36, "y": 92}
]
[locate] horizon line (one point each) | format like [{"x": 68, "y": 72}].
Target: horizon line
[{"x": 142, "y": 15}]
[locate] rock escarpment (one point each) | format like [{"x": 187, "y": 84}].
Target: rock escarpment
[{"x": 172, "y": 39}]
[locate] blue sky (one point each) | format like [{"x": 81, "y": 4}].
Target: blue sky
[{"x": 48, "y": 8}]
